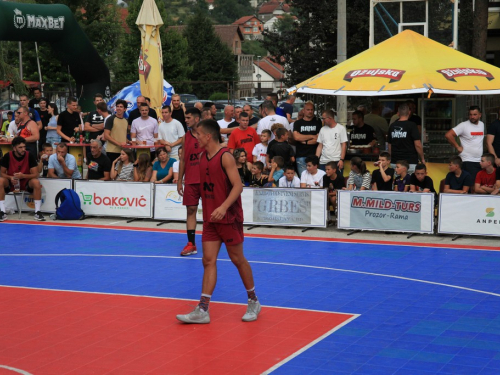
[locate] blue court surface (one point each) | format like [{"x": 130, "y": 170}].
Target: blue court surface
[{"x": 422, "y": 310}]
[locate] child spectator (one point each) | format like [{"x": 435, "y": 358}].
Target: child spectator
[
  {"x": 281, "y": 147},
  {"x": 271, "y": 143},
  {"x": 289, "y": 180},
  {"x": 457, "y": 180},
  {"x": 43, "y": 164},
  {"x": 420, "y": 182},
  {"x": 486, "y": 177},
  {"x": 175, "y": 167},
  {"x": 6, "y": 123},
  {"x": 122, "y": 168},
  {"x": 312, "y": 177},
  {"x": 333, "y": 181},
  {"x": 402, "y": 181},
  {"x": 240, "y": 156},
  {"x": 359, "y": 178},
  {"x": 260, "y": 150},
  {"x": 258, "y": 179},
  {"x": 143, "y": 170},
  {"x": 277, "y": 171},
  {"x": 383, "y": 177}
]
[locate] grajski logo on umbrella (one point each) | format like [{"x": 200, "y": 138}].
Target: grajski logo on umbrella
[{"x": 392, "y": 74}]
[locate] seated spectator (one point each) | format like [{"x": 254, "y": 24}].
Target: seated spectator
[
  {"x": 122, "y": 169},
  {"x": 277, "y": 164},
  {"x": 359, "y": 178},
  {"x": 420, "y": 182},
  {"x": 402, "y": 180},
  {"x": 312, "y": 177},
  {"x": 62, "y": 164},
  {"x": 162, "y": 168},
  {"x": 244, "y": 167},
  {"x": 175, "y": 166},
  {"x": 99, "y": 165},
  {"x": 457, "y": 180},
  {"x": 43, "y": 164},
  {"x": 333, "y": 181},
  {"x": 258, "y": 179},
  {"x": 143, "y": 169},
  {"x": 383, "y": 177},
  {"x": 281, "y": 147},
  {"x": 289, "y": 180},
  {"x": 497, "y": 185},
  {"x": 486, "y": 177},
  {"x": 260, "y": 150},
  {"x": 19, "y": 169}
]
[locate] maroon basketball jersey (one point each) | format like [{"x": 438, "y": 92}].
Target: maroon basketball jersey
[
  {"x": 191, "y": 154},
  {"x": 215, "y": 188},
  {"x": 19, "y": 166}
]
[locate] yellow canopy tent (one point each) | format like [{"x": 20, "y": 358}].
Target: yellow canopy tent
[{"x": 407, "y": 63}]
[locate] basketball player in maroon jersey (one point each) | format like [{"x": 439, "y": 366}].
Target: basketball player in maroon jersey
[
  {"x": 189, "y": 169},
  {"x": 221, "y": 188}
]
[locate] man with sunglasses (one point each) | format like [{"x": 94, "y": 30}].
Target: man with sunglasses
[{"x": 28, "y": 129}]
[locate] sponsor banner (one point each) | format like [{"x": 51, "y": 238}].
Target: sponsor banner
[
  {"x": 477, "y": 215},
  {"x": 290, "y": 207},
  {"x": 34, "y": 21},
  {"x": 386, "y": 211},
  {"x": 50, "y": 188},
  {"x": 110, "y": 198},
  {"x": 392, "y": 74},
  {"x": 451, "y": 73},
  {"x": 168, "y": 204}
]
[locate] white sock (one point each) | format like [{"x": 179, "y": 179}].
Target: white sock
[
  {"x": 2, "y": 206},
  {"x": 38, "y": 205}
]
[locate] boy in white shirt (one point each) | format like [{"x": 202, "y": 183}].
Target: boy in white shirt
[
  {"x": 312, "y": 177},
  {"x": 260, "y": 150},
  {"x": 289, "y": 180}
]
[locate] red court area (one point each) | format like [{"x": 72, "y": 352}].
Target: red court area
[{"x": 56, "y": 332}]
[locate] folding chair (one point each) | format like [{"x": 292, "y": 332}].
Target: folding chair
[{"x": 18, "y": 206}]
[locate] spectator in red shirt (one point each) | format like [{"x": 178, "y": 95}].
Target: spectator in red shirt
[
  {"x": 486, "y": 177},
  {"x": 243, "y": 136}
]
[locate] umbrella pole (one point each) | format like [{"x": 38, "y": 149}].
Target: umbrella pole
[{"x": 341, "y": 56}]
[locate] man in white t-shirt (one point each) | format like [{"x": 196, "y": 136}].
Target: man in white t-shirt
[
  {"x": 144, "y": 129},
  {"x": 471, "y": 134},
  {"x": 271, "y": 118},
  {"x": 312, "y": 177},
  {"x": 332, "y": 142},
  {"x": 228, "y": 118},
  {"x": 170, "y": 132}
]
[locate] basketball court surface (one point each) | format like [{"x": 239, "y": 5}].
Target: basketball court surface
[{"x": 83, "y": 299}]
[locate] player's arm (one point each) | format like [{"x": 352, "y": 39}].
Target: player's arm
[
  {"x": 182, "y": 167},
  {"x": 229, "y": 165}
]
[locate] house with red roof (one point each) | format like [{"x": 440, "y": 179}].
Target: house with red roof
[
  {"x": 251, "y": 27},
  {"x": 269, "y": 74},
  {"x": 272, "y": 8}
]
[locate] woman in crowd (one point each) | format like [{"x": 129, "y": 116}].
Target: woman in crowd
[
  {"x": 244, "y": 167},
  {"x": 52, "y": 136},
  {"x": 162, "y": 168},
  {"x": 143, "y": 169},
  {"x": 122, "y": 168},
  {"x": 359, "y": 177}
]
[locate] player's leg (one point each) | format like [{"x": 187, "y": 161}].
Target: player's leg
[
  {"x": 34, "y": 186},
  {"x": 191, "y": 199},
  {"x": 4, "y": 184}
]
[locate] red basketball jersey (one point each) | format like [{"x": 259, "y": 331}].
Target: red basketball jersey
[
  {"x": 19, "y": 166},
  {"x": 191, "y": 154},
  {"x": 215, "y": 188}
]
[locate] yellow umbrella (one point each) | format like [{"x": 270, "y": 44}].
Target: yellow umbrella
[
  {"x": 404, "y": 64},
  {"x": 150, "y": 59}
]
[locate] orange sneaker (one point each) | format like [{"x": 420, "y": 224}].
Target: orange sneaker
[{"x": 189, "y": 249}]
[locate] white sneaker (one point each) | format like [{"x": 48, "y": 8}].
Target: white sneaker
[
  {"x": 253, "y": 311},
  {"x": 197, "y": 316}
]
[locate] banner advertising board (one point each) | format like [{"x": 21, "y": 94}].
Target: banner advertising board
[
  {"x": 385, "y": 211},
  {"x": 116, "y": 198},
  {"x": 468, "y": 214},
  {"x": 50, "y": 188},
  {"x": 168, "y": 204}
]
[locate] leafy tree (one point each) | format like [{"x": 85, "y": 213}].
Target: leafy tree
[
  {"x": 253, "y": 47},
  {"x": 212, "y": 60},
  {"x": 226, "y": 12}
]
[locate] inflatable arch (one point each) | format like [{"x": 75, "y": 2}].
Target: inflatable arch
[{"x": 56, "y": 25}]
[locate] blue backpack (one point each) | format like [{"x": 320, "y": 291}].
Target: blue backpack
[{"x": 70, "y": 208}]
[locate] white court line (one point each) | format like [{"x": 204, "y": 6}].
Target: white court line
[
  {"x": 261, "y": 262},
  {"x": 15, "y": 370}
]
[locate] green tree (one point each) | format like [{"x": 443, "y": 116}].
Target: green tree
[
  {"x": 226, "y": 12},
  {"x": 212, "y": 60},
  {"x": 253, "y": 47},
  {"x": 176, "y": 67}
]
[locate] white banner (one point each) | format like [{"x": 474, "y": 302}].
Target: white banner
[
  {"x": 116, "y": 198},
  {"x": 50, "y": 188},
  {"x": 385, "y": 211},
  {"x": 168, "y": 204},
  {"x": 469, "y": 214}
]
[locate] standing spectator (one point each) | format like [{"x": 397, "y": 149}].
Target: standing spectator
[
  {"x": 44, "y": 118},
  {"x": 493, "y": 140},
  {"x": 273, "y": 98},
  {"x": 253, "y": 121},
  {"x": 332, "y": 142},
  {"x": 115, "y": 131},
  {"x": 270, "y": 118},
  {"x": 142, "y": 168},
  {"x": 287, "y": 107},
  {"x": 52, "y": 136},
  {"x": 212, "y": 108},
  {"x": 228, "y": 118},
  {"x": 62, "y": 164},
  {"x": 179, "y": 111},
  {"x": 6, "y": 123},
  {"x": 33, "y": 114},
  {"x": 305, "y": 134},
  {"x": 237, "y": 112},
  {"x": 378, "y": 123},
  {"x": 486, "y": 177},
  {"x": 404, "y": 140},
  {"x": 35, "y": 102},
  {"x": 359, "y": 177},
  {"x": 162, "y": 168},
  {"x": 122, "y": 168},
  {"x": 281, "y": 147},
  {"x": 471, "y": 134},
  {"x": 68, "y": 121},
  {"x": 99, "y": 165},
  {"x": 136, "y": 112},
  {"x": 312, "y": 177},
  {"x": 457, "y": 181},
  {"x": 260, "y": 150},
  {"x": 28, "y": 129},
  {"x": 243, "y": 136},
  {"x": 170, "y": 132},
  {"x": 383, "y": 177},
  {"x": 144, "y": 130},
  {"x": 362, "y": 134},
  {"x": 94, "y": 123}
]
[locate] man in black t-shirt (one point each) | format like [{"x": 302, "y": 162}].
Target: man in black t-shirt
[
  {"x": 69, "y": 121},
  {"x": 178, "y": 110},
  {"x": 44, "y": 118},
  {"x": 94, "y": 123},
  {"x": 305, "y": 134},
  {"x": 35, "y": 102},
  {"x": 493, "y": 140},
  {"x": 99, "y": 165},
  {"x": 404, "y": 140},
  {"x": 362, "y": 134}
]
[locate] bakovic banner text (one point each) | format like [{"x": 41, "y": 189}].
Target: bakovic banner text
[
  {"x": 109, "y": 198},
  {"x": 386, "y": 211}
]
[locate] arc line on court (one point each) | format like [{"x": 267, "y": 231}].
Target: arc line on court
[{"x": 19, "y": 371}]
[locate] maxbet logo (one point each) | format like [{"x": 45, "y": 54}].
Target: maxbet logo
[
  {"x": 392, "y": 74},
  {"x": 31, "y": 21},
  {"x": 451, "y": 73}
]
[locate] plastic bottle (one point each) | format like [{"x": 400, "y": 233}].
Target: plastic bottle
[
  {"x": 87, "y": 137},
  {"x": 81, "y": 138},
  {"x": 17, "y": 185}
]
